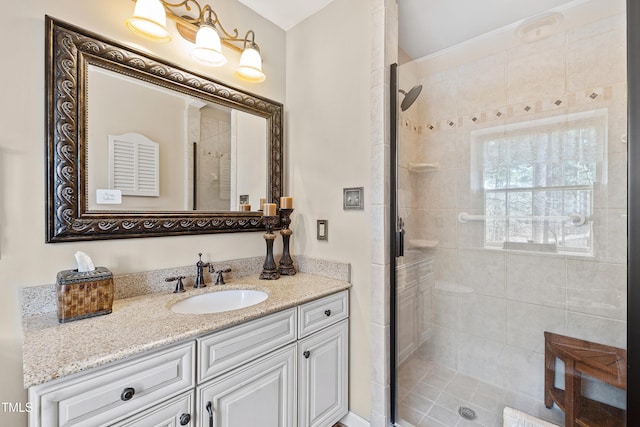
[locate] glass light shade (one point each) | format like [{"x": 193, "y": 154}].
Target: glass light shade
[
  {"x": 208, "y": 50},
  {"x": 250, "y": 68},
  {"x": 149, "y": 20}
]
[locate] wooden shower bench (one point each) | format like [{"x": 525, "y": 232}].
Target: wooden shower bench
[{"x": 604, "y": 363}]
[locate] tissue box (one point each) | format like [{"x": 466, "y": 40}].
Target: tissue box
[{"x": 82, "y": 295}]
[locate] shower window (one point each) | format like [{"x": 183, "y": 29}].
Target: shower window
[{"x": 538, "y": 179}]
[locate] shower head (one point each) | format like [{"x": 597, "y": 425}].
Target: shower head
[{"x": 409, "y": 97}]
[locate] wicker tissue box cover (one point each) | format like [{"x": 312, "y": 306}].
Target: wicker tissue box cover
[{"x": 84, "y": 294}]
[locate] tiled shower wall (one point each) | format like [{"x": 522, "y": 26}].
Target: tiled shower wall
[
  {"x": 210, "y": 127},
  {"x": 495, "y": 333}
]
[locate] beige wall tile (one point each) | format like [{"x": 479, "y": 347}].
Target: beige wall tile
[
  {"x": 525, "y": 372},
  {"x": 438, "y": 147},
  {"x": 596, "y": 56},
  {"x": 445, "y": 265},
  {"x": 526, "y": 324},
  {"x": 437, "y": 190},
  {"x": 536, "y": 70},
  {"x": 445, "y": 309},
  {"x": 483, "y": 271},
  {"x": 471, "y": 232},
  {"x": 438, "y": 98},
  {"x": 482, "y": 316},
  {"x": 597, "y": 329},
  {"x": 443, "y": 347},
  {"x": 482, "y": 358},
  {"x": 481, "y": 84},
  {"x": 438, "y": 225},
  {"x": 597, "y": 288},
  {"x": 537, "y": 279}
]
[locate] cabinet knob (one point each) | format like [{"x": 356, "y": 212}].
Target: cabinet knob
[
  {"x": 327, "y": 312},
  {"x": 306, "y": 354},
  {"x": 127, "y": 393},
  {"x": 184, "y": 419}
]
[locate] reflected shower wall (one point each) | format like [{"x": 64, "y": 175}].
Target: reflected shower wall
[
  {"x": 512, "y": 186},
  {"x": 210, "y": 132}
]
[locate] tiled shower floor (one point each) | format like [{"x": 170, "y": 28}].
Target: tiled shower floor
[{"x": 430, "y": 396}]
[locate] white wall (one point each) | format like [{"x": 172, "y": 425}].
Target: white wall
[
  {"x": 328, "y": 134},
  {"x": 120, "y": 106},
  {"x": 249, "y": 132},
  {"x": 25, "y": 259}
]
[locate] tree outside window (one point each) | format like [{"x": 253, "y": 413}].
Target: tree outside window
[{"x": 538, "y": 180}]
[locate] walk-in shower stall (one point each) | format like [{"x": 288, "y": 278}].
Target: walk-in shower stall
[{"x": 509, "y": 213}]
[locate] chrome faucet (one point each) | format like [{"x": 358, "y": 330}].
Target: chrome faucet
[{"x": 200, "y": 271}]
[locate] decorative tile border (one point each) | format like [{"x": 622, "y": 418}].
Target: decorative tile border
[{"x": 521, "y": 109}]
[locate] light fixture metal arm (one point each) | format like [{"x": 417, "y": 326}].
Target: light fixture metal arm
[
  {"x": 216, "y": 23},
  {"x": 188, "y": 25}
]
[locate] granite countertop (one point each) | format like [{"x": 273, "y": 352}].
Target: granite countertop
[{"x": 138, "y": 324}]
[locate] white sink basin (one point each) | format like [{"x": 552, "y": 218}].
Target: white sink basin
[{"x": 217, "y": 302}]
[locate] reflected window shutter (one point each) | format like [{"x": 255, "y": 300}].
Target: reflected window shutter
[{"x": 133, "y": 165}]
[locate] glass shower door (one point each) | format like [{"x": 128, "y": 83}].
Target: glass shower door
[{"x": 509, "y": 207}]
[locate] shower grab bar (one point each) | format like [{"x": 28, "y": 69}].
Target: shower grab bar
[
  {"x": 465, "y": 217},
  {"x": 575, "y": 218}
]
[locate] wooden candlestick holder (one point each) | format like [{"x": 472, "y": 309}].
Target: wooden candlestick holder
[
  {"x": 286, "y": 267},
  {"x": 269, "y": 268}
]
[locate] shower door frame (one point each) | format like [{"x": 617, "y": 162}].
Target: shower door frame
[
  {"x": 393, "y": 249},
  {"x": 633, "y": 211},
  {"x": 633, "y": 228}
]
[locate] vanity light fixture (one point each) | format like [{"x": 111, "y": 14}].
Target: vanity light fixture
[
  {"x": 149, "y": 20},
  {"x": 250, "y": 67}
]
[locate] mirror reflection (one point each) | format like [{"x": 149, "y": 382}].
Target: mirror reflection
[
  {"x": 121, "y": 161},
  {"x": 150, "y": 148}
]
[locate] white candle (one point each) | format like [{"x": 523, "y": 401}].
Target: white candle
[
  {"x": 269, "y": 209},
  {"x": 262, "y": 202},
  {"x": 245, "y": 207}
]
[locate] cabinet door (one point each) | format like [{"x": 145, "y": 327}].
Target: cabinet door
[
  {"x": 259, "y": 394},
  {"x": 407, "y": 323},
  {"x": 322, "y": 377}
]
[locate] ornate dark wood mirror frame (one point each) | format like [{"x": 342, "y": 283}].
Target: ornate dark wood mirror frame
[{"x": 69, "y": 50}]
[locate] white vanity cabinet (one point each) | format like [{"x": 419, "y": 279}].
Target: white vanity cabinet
[
  {"x": 286, "y": 369},
  {"x": 304, "y": 373},
  {"x": 118, "y": 392},
  {"x": 323, "y": 361}
]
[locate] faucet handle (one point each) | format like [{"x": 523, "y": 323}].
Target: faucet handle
[
  {"x": 219, "y": 276},
  {"x": 179, "y": 284}
]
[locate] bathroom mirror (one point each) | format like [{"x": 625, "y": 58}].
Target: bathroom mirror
[{"x": 98, "y": 133}]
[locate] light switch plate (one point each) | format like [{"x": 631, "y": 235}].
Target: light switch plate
[
  {"x": 323, "y": 229},
  {"x": 108, "y": 197}
]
